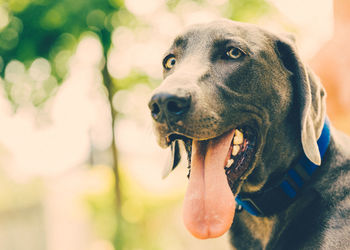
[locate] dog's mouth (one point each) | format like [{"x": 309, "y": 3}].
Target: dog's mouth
[
  {"x": 239, "y": 156},
  {"x": 217, "y": 167}
]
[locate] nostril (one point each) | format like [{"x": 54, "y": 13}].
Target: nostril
[
  {"x": 178, "y": 106},
  {"x": 174, "y": 108},
  {"x": 155, "y": 110}
]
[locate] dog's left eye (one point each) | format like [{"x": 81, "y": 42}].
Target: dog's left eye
[
  {"x": 169, "y": 62},
  {"x": 234, "y": 53}
]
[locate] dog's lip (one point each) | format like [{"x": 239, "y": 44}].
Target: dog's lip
[
  {"x": 178, "y": 135},
  {"x": 169, "y": 138},
  {"x": 173, "y": 135}
]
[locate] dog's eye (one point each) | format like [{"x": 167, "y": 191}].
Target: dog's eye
[
  {"x": 234, "y": 53},
  {"x": 169, "y": 61}
]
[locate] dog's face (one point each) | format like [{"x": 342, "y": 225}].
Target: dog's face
[{"x": 228, "y": 96}]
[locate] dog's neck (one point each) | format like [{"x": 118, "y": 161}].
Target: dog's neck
[
  {"x": 265, "y": 232},
  {"x": 274, "y": 199},
  {"x": 253, "y": 232}
]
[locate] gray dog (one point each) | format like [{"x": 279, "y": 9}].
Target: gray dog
[{"x": 264, "y": 161}]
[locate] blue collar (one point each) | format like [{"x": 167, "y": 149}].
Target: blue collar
[{"x": 275, "y": 199}]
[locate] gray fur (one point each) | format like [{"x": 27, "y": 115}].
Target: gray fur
[{"x": 271, "y": 90}]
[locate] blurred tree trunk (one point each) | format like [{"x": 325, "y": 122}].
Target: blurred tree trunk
[
  {"x": 107, "y": 80},
  {"x": 332, "y": 64},
  {"x": 111, "y": 90},
  {"x": 105, "y": 38}
]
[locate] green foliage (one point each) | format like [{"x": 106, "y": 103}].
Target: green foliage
[
  {"x": 45, "y": 28},
  {"x": 135, "y": 77},
  {"x": 49, "y": 30},
  {"x": 247, "y": 10},
  {"x": 172, "y": 4},
  {"x": 19, "y": 196}
]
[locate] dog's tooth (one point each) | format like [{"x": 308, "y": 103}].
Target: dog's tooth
[
  {"x": 235, "y": 150},
  {"x": 238, "y": 139},
  {"x": 229, "y": 163}
]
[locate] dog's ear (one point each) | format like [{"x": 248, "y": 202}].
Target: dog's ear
[
  {"x": 309, "y": 96},
  {"x": 173, "y": 159}
]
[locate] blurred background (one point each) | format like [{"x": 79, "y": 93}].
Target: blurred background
[{"x": 79, "y": 166}]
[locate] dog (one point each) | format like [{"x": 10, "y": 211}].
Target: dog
[{"x": 264, "y": 161}]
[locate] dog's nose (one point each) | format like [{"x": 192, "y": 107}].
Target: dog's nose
[{"x": 171, "y": 105}]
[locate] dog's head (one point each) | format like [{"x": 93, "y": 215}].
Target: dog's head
[{"x": 243, "y": 105}]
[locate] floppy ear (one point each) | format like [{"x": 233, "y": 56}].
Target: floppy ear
[
  {"x": 173, "y": 158},
  {"x": 309, "y": 96}
]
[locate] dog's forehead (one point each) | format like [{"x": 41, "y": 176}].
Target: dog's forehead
[{"x": 205, "y": 35}]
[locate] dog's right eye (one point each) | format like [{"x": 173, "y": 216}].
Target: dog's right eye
[
  {"x": 169, "y": 62},
  {"x": 234, "y": 53}
]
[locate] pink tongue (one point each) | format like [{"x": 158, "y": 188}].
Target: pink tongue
[{"x": 209, "y": 204}]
